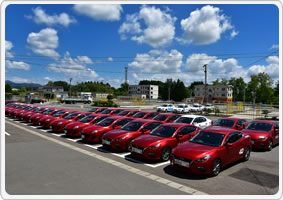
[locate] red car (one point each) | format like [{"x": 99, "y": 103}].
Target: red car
[
  {"x": 59, "y": 124},
  {"x": 122, "y": 138},
  {"x": 210, "y": 150},
  {"x": 112, "y": 111},
  {"x": 74, "y": 129},
  {"x": 264, "y": 134},
  {"x": 27, "y": 116},
  {"x": 159, "y": 143},
  {"x": 127, "y": 113},
  {"x": 13, "y": 108},
  {"x": 145, "y": 115},
  {"x": 36, "y": 118},
  {"x": 95, "y": 133},
  {"x": 44, "y": 122},
  {"x": 13, "y": 113},
  {"x": 20, "y": 114},
  {"x": 100, "y": 110},
  {"x": 235, "y": 123},
  {"x": 93, "y": 110},
  {"x": 167, "y": 117}
]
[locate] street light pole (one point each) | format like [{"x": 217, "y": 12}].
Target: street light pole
[
  {"x": 205, "y": 83},
  {"x": 70, "y": 87}
]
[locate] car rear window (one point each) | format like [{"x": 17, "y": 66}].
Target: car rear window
[
  {"x": 259, "y": 126},
  {"x": 186, "y": 120}
]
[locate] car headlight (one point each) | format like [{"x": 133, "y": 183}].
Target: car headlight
[
  {"x": 21, "y": 113},
  {"x": 36, "y": 117},
  {"x": 154, "y": 146},
  {"x": 119, "y": 139},
  {"x": 263, "y": 137},
  {"x": 29, "y": 115},
  {"x": 60, "y": 123},
  {"x": 203, "y": 159},
  {"x": 96, "y": 131},
  {"x": 47, "y": 120},
  {"x": 76, "y": 127}
]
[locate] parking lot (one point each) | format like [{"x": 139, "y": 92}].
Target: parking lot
[{"x": 41, "y": 162}]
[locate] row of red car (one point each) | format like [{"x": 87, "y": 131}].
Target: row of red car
[{"x": 151, "y": 135}]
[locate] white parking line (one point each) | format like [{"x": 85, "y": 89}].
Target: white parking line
[
  {"x": 7, "y": 133},
  {"x": 74, "y": 140}
]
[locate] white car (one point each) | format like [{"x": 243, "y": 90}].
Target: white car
[
  {"x": 165, "y": 108},
  {"x": 182, "y": 108},
  {"x": 196, "y": 120},
  {"x": 197, "y": 107}
]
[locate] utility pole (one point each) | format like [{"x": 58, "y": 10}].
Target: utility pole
[
  {"x": 126, "y": 74},
  {"x": 169, "y": 87},
  {"x": 70, "y": 87},
  {"x": 205, "y": 83}
]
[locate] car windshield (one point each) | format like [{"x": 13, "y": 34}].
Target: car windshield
[
  {"x": 139, "y": 115},
  {"x": 87, "y": 119},
  {"x": 180, "y": 106},
  {"x": 224, "y": 122},
  {"x": 58, "y": 114},
  {"x": 164, "y": 105},
  {"x": 123, "y": 113},
  {"x": 71, "y": 116},
  {"x": 31, "y": 108},
  {"x": 259, "y": 126},
  {"x": 24, "y": 107},
  {"x": 106, "y": 111},
  {"x": 164, "y": 131},
  {"x": 105, "y": 122},
  {"x": 196, "y": 106},
  {"x": 160, "y": 117},
  {"x": 92, "y": 110},
  {"x": 186, "y": 120},
  {"x": 47, "y": 111},
  {"x": 116, "y": 111},
  {"x": 132, "y": 126},
  {"x": 208, "y": 138},
  {"x": 100, "y": 110},
  {"x": 38, "y": 110},
  {"x": 122, "y": 122}
]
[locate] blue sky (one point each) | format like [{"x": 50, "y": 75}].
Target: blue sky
[{"x": 96, "y": 42}]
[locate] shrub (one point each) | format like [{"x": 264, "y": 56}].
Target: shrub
[{"x": 216, "y": 111}]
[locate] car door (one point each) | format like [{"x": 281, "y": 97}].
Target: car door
[
  {"x": 236, "y": 150},
  {"x": 184, "y": 133}
]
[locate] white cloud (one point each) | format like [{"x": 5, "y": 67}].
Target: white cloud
[
  {"x": 100, "y": 12},
  {"x": 17, "y": 65},
  {"x": 8, "y": 47},
  {"x": 233, "y": 34},
  {"x": 159, "y": 27},
  {"x": 73, "y": 68},
  {"x": 110, "y": 59},
  {"x": 47, "y": 78},
  {"x": 44, "y": 42},
  {"x": 195, "y": 62},
  {"x": 205, "y": 26},
  {"x": 40, "y": 17},
  {"x": 84, "y": 60},
  {"x": 158, "y": 61},
  {"x": 274, "y": 46},
  {"x": 17, "y": 79},
  {"x": 272, "y": 67}
]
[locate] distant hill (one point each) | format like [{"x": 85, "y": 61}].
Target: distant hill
[{"x": 13, "y": 84}]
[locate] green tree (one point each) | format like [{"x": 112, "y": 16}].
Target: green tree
[
  {"x": 8, "y": 88},
  {"x": 23, "y": 91},
  {"x": 239, "y": 86},
  {"x": 192, "y": 87}
]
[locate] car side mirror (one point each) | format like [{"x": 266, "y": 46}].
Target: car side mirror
[
  {"x": 238, "y": 126},
  {"x": 228, "y": 144}
]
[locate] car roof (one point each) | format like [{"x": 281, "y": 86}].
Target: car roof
[
  {"x": 192, "y": 116},
  {"x": 264, "y": 121},
  {"x": 220, "y": 129},
  {"x": 176, "y": 125}
]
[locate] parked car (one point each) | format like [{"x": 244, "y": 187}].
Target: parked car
[
  {"x": 181, "y": 108},
  {"x": 208, "y": 106},
  {"x": 20, "y": 114},
  {"x": 235, "y": 123},
  {"x": 196, "y": 120},
  {"x": 74, "y": 129},
  {"x": 210, "y": 150},
  {"x": 264, "y": 134},
  {"x": 94, "y": 133},
  {"x": 166, "y": 117},
  {"x": 59, "y": 124},
  {"x": 157, "y": 145},
  {"x": 165, "y": 108},
  {"x": 13, "y": 113},
  {"x": 45, "y": 122},
  {"x": 121, "y": 139},
  {"x": 145, "y": 115},
  {"x": 112, "y": 111},
  {"x": 196, "y": 107},
  {"x": 127, "y": 113},
  {"x": 27, "y": 117},
  {"x": 36, "y": 118}
]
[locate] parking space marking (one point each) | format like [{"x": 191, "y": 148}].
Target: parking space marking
[
  {"x": 139, "y": 172},
  {"x": 73, "y": 140},
  {"x": 7, "y": 133}
]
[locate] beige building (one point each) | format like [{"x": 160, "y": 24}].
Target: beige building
[
  {"x": 149, "y": 91},
  {"x": 221, "y": 93}
]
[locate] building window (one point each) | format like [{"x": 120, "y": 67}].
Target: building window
[
  {"x": 223, "y": 95},
  {"x": 223, "y": 89}
]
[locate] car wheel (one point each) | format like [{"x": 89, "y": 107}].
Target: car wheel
[
  {"x": 101, "y": 136},
  {"x": 270, "y": 145},
  {"x": 129, "y": 145},
  {"x": 247, "y": 154},
  {"x": 165, "y": 154},
  {"x": 216, "y": 167}
]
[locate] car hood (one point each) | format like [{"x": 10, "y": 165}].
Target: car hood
[
  {"x": 254, "y": 133},
  {"x": 116, "y": 133},
  {"x": 93, "y": 128},
  {"x": 73, "y": 124},
  {"x": 147, "y": 140},
  {"x": 192, "y": 151},
  {"x": 58, "y": 120}
]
